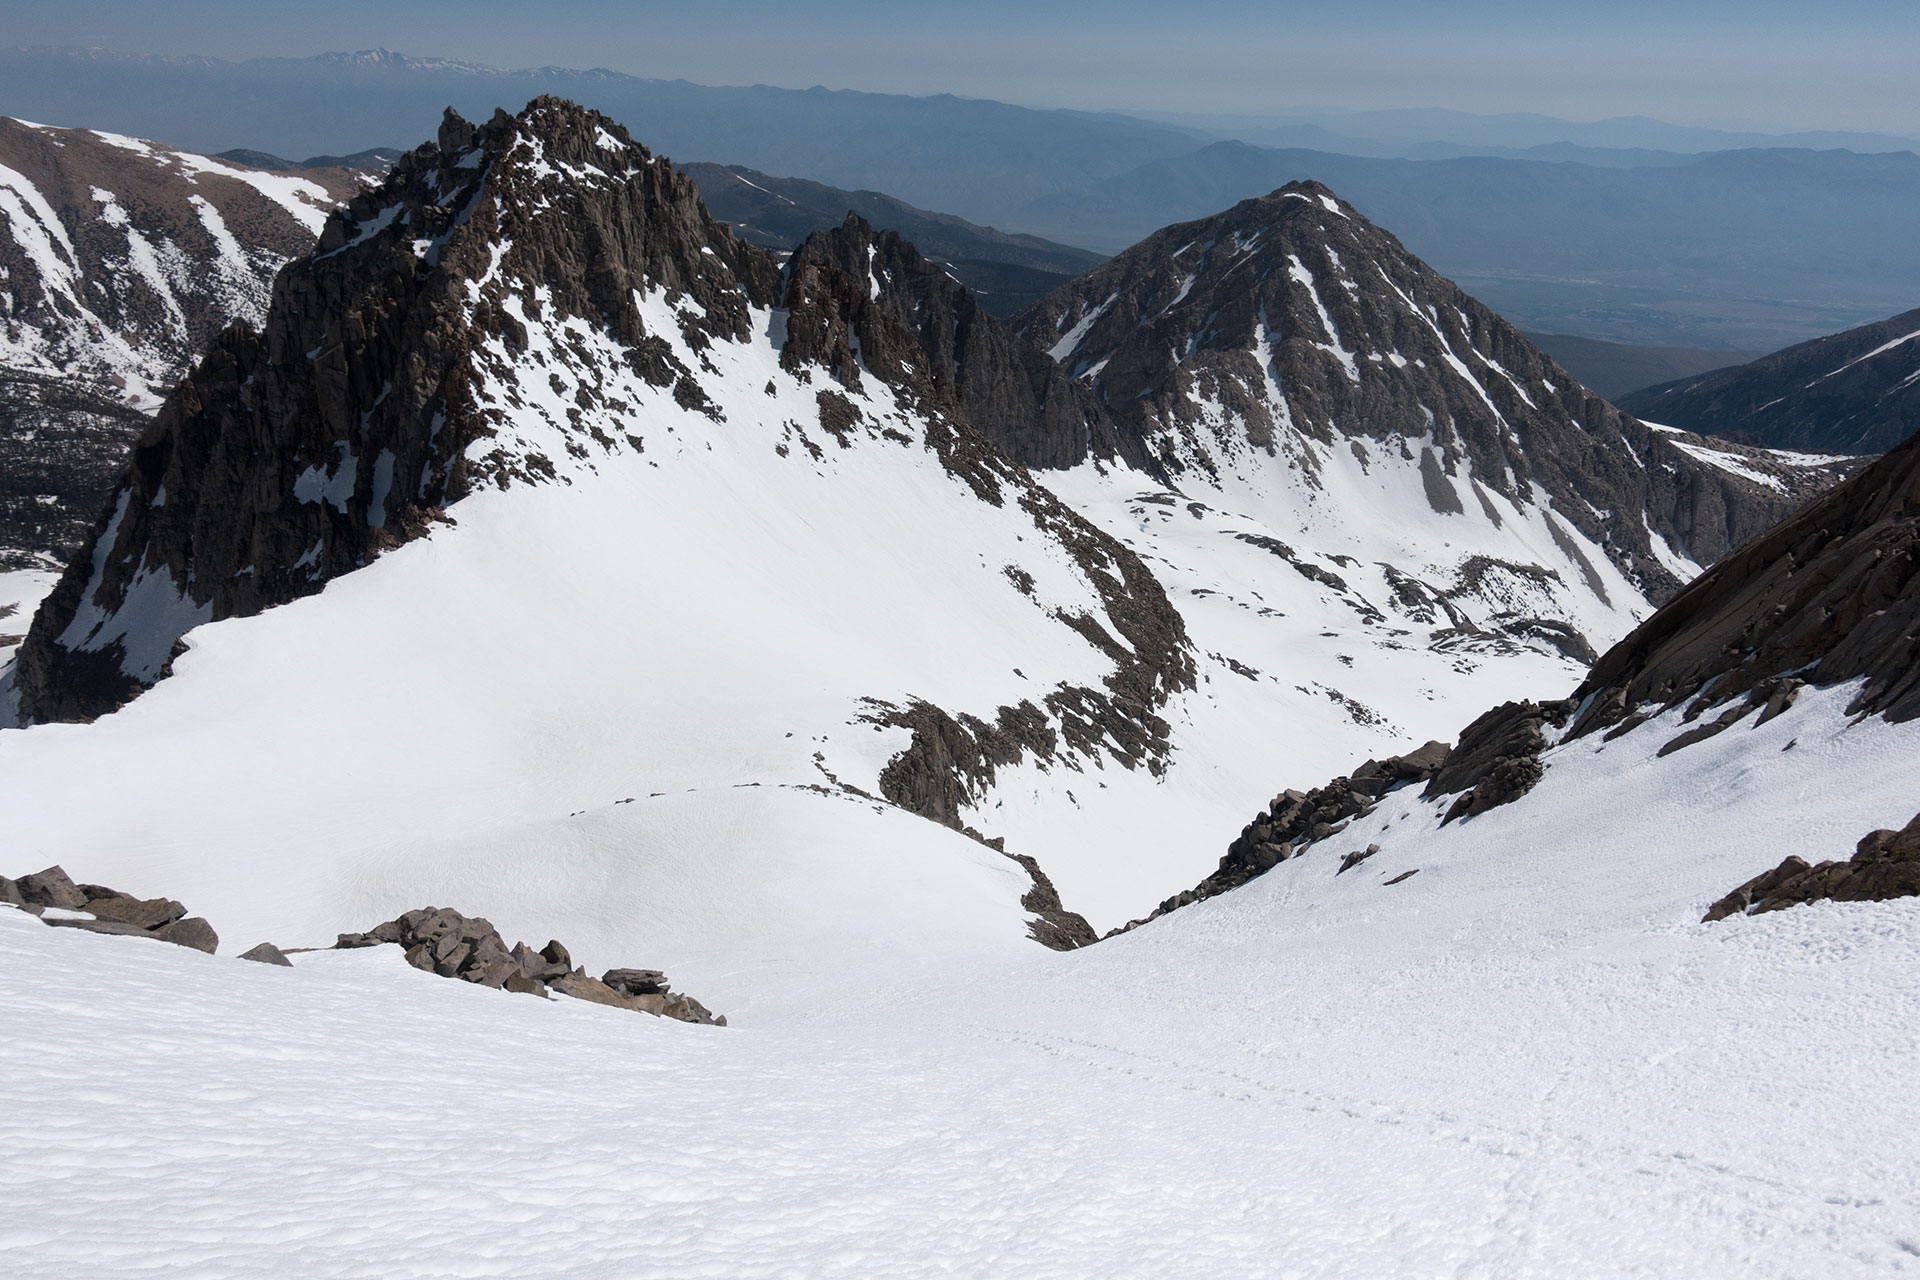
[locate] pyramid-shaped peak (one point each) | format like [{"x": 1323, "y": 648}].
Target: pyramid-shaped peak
[{"x": 1289, "y": 325}]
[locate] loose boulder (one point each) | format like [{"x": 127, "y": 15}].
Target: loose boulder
[{"x": 52, "y": 888}]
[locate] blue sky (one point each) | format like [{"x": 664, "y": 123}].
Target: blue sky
[{"x": 1763, "y": 63}]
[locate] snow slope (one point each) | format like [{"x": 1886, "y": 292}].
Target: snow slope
[
  {"x": 1529, "y": 1059},
  {"x": 1300, "y": 677}
]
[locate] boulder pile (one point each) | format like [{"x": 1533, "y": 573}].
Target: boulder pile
[
  {"x": 57, "y": 900},
  {"x": 1885, "y": 864},
  {"x": 440, "y": 940}
]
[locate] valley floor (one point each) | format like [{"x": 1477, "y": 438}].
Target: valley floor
[{"x": 1529, "y": 1059}]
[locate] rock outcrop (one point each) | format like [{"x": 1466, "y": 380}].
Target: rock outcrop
[
  {"x": 57, "y": 900},
  {"x": 1885, "y": 864},
  {"x": 1298, "y": 820},
  {"x": 856, "y": 295},
  {"x": 1498, "y": 757},
  {"x": 1830, "y": 596},
  {"x": 444, "y": 942}
]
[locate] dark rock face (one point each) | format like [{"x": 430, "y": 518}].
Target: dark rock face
[
  {"x": 1290, "y": 321},
  {"x": 442, "y": 941},
  {"x": 1498, "y": 758},
  {"x": 916, "y": 327},
  {"x": 1297, "y": 820},
  {"x": 296, "y": 454},
  {"x": 109, "y": 911},
  {"x": 1885, "y": 864},
  {"x": 62, "y": 446},
  {"x": 1852, "y": 392},
  {"x": 1831, "y": 595}
]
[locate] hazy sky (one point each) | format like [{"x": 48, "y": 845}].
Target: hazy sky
[{"x": 1846, "y": 64}]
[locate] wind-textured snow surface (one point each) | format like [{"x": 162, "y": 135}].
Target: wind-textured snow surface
[{"x": 1528, "y": 1059}]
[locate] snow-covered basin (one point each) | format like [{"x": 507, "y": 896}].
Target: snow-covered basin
[{"x": 1528, "y": 1059}]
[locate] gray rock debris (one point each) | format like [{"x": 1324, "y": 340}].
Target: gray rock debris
[
  {"x": 108, "y": 911},
  {"x": 442, "y": 941}
]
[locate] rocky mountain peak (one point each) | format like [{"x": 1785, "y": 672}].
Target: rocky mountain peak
[
  {"x": 377, "y": 390},
  {"x": 1289, "y": 325}
]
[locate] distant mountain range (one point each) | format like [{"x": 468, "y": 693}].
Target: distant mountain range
[
  {"x": 1007, "y": 271},
  {"x": 1606, "y": 230},
  {"x": 372, "y": 160},
  {"x": 1436, "y": 133},
  {"x": 1852, "y": 392}
]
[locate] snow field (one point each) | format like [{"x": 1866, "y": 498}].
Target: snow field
[{"x": 1529, "y": 1059}]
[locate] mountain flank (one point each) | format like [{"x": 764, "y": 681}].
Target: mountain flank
[
  {"x": 1830, "y": 597},
  {"x": 1852, "y": 392},
  {"x": 120, "y": 262}
]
